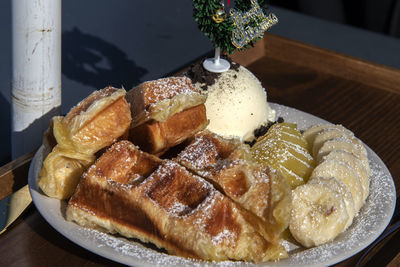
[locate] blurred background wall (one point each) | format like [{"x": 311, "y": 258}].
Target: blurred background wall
[
  {"x": 125, "y": 42},
  {"x": 381, "y": 16}
]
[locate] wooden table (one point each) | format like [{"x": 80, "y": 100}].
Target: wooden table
[{"x": 362, "y": 96}]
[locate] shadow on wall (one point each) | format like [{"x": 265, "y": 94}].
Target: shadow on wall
[
  {"x": 5, "y": 130},
  {"x": 86, "y": 59},
  {"x": 31, "y": 138},
  {"x": 92, "y": 61}
]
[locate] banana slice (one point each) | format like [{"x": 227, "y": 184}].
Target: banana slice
[
  {"x": 356, "y": 143},
  {"x": 344, "y": 173},
  {"x": 328, "y": 134},
  {"x": 347, "y": 145},
  {"x": 310, "y": 134},
  {"x": 355, "y": 164},
  {"x": 340, "y": 188},
  {"x": 337, "y": 187},
  {"x": 318, "y": 214}
]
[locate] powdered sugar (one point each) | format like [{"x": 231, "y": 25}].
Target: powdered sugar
[
  {"x": 370, "y": 222},
  {"x": 202, "y": 152},
  {"x": 169, "y": 87}
]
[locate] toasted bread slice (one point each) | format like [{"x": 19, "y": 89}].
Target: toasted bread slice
[
  {"x": 71, "y": 141},
  {"x": 171, "y": 208},
  {"x": 96, "y": 122},
  {"x": 157, "y": 137},
  {"x": 257, "y": 188},
  {"x": 160, "y": 99},
  {"x": 165, "y": 112}
]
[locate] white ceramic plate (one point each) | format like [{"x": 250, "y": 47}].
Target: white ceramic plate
[{"x": 370, "y": 223}]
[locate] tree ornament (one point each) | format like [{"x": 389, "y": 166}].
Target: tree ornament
[
  {"x": 238, "y": 28},
  {"x": 250, "y": 25},
  {"x": 219, "y": 16}
]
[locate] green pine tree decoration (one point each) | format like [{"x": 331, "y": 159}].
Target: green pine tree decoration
[{"x": 220, "y": 33}]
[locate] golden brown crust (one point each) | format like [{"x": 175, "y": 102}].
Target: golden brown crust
[
  {"x": 257, "y": 188},
  {"x": 96, "y": 122},
  {"x": 171, "y": 208},
  {"x": 132, "y": 163},
  {"x": 105, "y": 128},
  {"x": 160, "y": 99},
  {"x": 165, "y": 112},
  {"x": 84, "y": 105},
  {"x": 156, "y": 137},
  {"x": 206, "y": 153}
]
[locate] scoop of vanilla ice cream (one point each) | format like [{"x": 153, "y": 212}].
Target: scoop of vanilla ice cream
[{"x": 236, "y": 105}]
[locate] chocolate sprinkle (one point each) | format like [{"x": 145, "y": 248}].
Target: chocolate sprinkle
[
  {"x": 262, "y": 130},
  {"x": 198, "y": 74}
]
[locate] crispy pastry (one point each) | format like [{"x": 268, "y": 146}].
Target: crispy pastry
[
  {"x": 96, "y": 122},
  {"x": 165, "y": 112},
  {"x": 257, "y": 188},
  {"x": 61, "y": 171},
  {"x": 163, "y": 203},
  {"x": 49, "y": 141},
  {"x": 157, "y": 137}
]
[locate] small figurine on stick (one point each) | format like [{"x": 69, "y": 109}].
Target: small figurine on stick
[{"x": 233, "y": 25}]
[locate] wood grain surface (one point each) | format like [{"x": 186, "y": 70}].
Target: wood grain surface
[
  {"x": 13, "y": 175},
  {"x": 363, "y": 96}
]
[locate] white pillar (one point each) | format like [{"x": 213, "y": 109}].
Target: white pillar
[{"x": 36, "y": 71}]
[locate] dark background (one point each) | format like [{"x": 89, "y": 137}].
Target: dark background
[
  {"x": 382, "y": 16},
  {"x": 126, "y": 42}
]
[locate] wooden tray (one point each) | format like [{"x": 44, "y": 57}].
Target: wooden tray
[{"x": 363, "y": 96}]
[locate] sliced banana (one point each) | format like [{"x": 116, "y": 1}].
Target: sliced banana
[
  {"x": 340, "y": 188},
  {"x": 328, "y": 134},
  {"x": 360, "y": 145},
  {"x": 310, "y": 134},
  {"x": 318, "y": 214},
  {"x": 345, "y": 174},
  {"x": 342, "y": 176},
  {"x": 355, "y": 164},
  {"x": 347, "y": 145}
]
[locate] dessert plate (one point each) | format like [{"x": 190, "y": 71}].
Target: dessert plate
[{"x": 367, "y": 226}]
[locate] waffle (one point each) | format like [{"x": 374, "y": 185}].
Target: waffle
[
  {"x": 137, "y": 195},
  {"x": 257, "y": 188}
]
